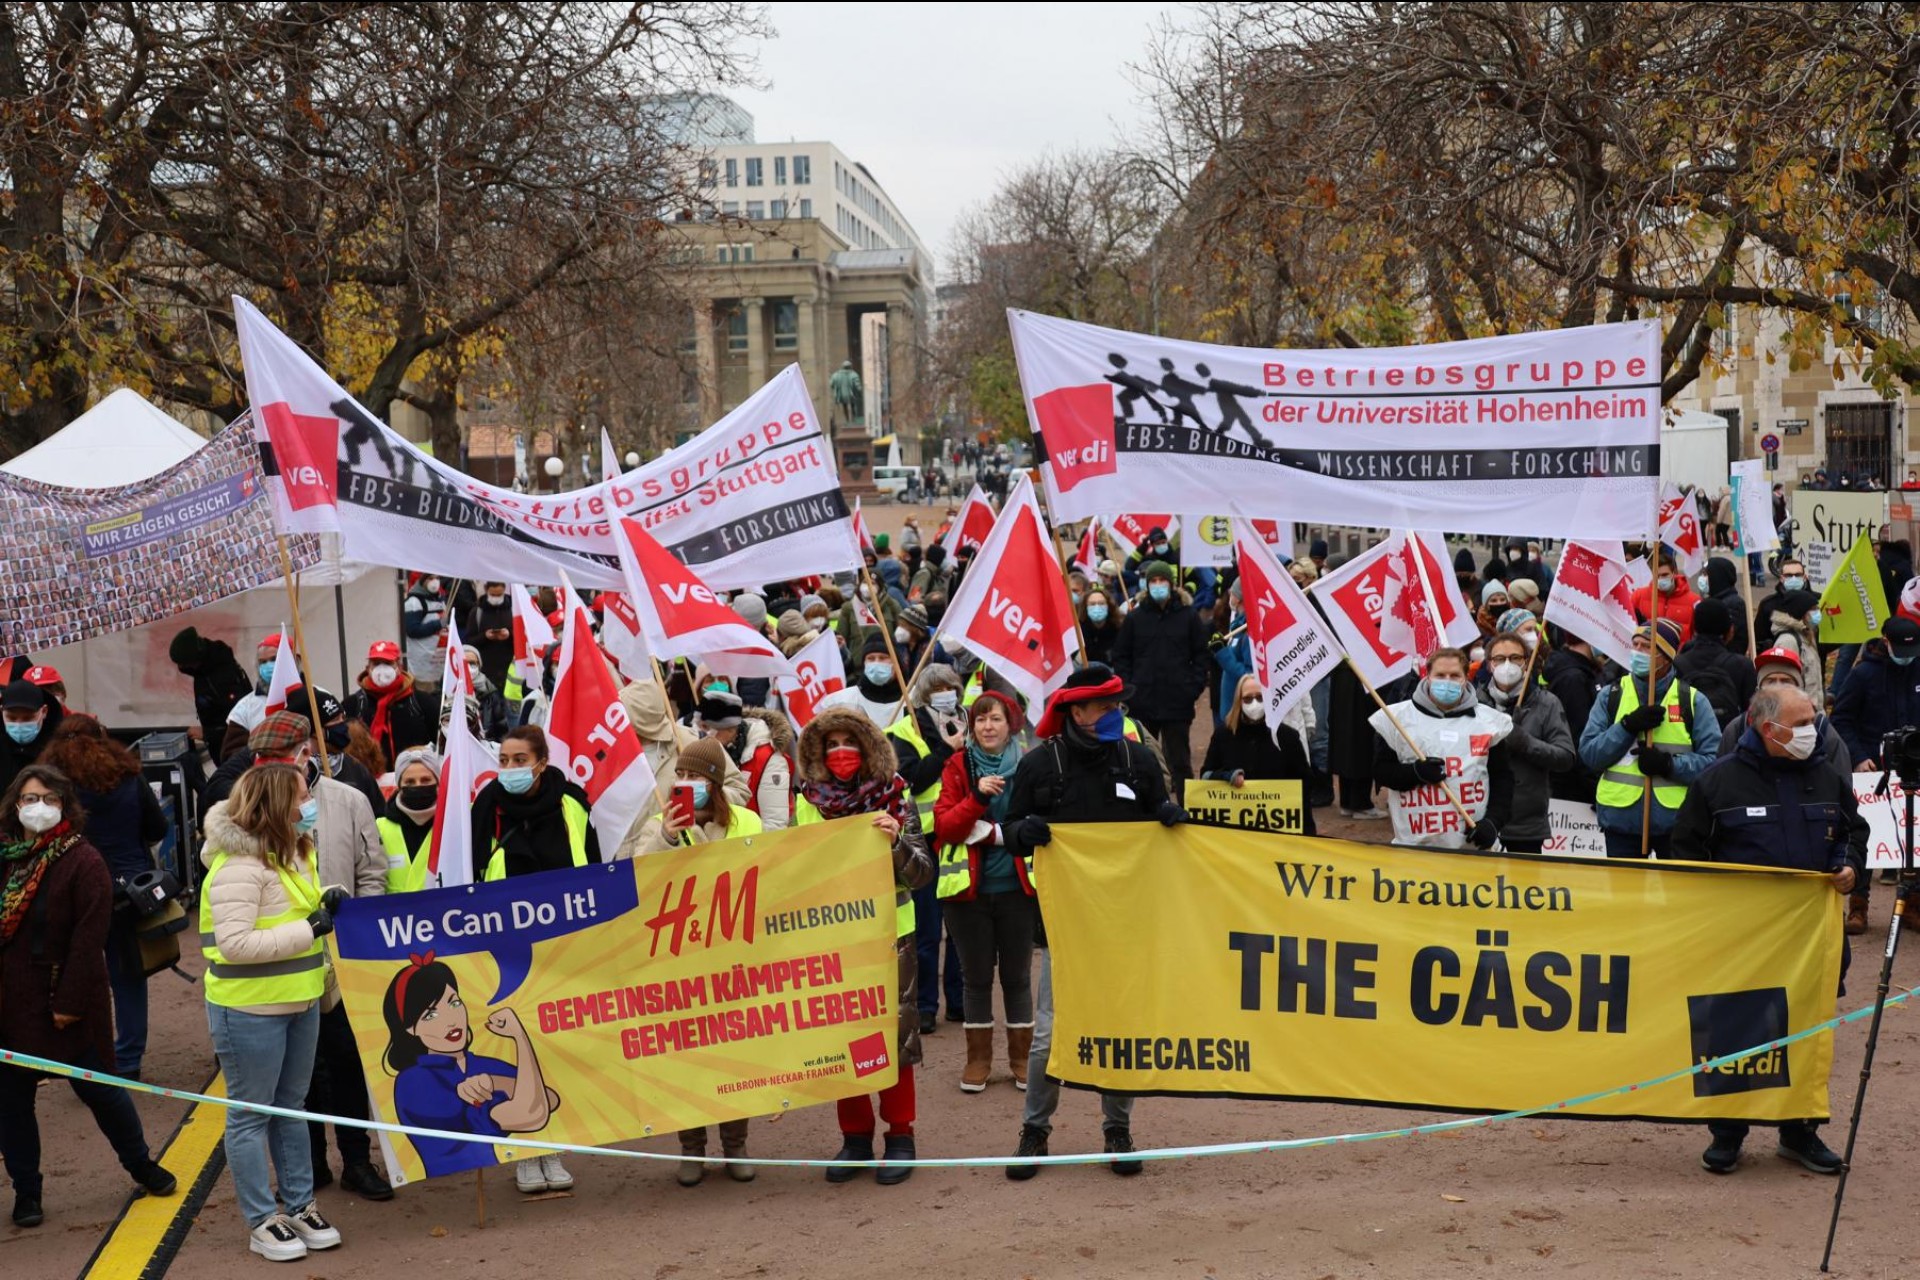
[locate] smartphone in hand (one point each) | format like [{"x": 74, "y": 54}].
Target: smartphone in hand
[{"x": 682, "y": 802}]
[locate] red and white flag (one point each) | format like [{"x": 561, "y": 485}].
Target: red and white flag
[
  {"x": 1086, "y": 557},
  {"x": 286, "y": 675},
  {"x": 295, "y": 423},
  {"x": 1292, "y": 650},
  {"x": 465, "y": 769},
  {"x": 1378, "y": 604},
  {"x": 1680, "y": 528},
  {"x": 593, "y": 740},
  {"x": 817, "y": 672},
  {"x": 860, "y": 533},
  {"x": 620, "y": 636},
  {"x": 1129, "y": 531},
  {"x": 1592, "y": 598},
  {"x": 682, "y": 617},
  {"x": 971, "y": 527},
  {"x": 532, "y": 634},
  {"x": 1013, "y": 608}
]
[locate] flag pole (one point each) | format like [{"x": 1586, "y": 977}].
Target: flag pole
[
  {"x": 300, "y": 652},
  {"x": 1416, "y": 549},
  {"x": 1053, "y": 536},
  {"x": 886, "y": 634},
  {"x": 1653, "y": 636},
  {"x": 1394, "y": 720}
]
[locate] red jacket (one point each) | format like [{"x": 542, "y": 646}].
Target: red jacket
[
  {"x": 1677, "y": 607},
  {"x": 954, "y": 814}
]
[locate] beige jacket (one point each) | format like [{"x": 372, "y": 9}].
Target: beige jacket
[
  {"x": 351, "y": 856},
  {"x": 244, "y": 891},
  {"x": 661, "y": 737}
]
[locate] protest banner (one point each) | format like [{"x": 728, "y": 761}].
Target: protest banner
[
  {"x": 1573, "y": 830},
  {"x": 1753, "y": 528},
  {"x": 1285, "y": 967},
  {"x": 1886, "y": 817},
  {"x": 1208, "y": 543},
  {"x": 1818, "y": 559},
  {"x": 92, "y": 562},
  {"x": 752, "y": 499},
  {"x": 1836, "y": 518},
  {"x": 715, "y": 982},
  {"x": 1554, "y": 432},
  {"x": 1013, "y": 608},
  {"x": 1253, "y": 806}
]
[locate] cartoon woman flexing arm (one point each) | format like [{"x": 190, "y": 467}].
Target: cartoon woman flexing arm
[{"x": 441, "y": 1084}]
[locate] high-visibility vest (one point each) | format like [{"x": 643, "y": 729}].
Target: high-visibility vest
[
  {"x": 907, "y": 729},
  {"x": 741, "y": 821},
  {"x": 976, "y": 685},
  {"x": 959, "y": 872},
  {"x": 576, "y": 817},
  {"x": 406, "y": 871},
  {"x": 804, "y": 812},
  {"x": 295, "y": 980},
  {"x": 1623, "y": 784}
]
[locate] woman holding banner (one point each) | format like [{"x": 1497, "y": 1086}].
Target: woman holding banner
[
  {"x": 1246, "y": 749},
  {"x": 846, "y": 767}
]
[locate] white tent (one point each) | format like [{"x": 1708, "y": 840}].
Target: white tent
[
  {"x": 122, "y": 440},
  {"x": 127, "y": 679}
]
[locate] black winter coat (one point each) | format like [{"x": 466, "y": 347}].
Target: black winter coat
[
  {"x": 412, "y": 721},
  {"x": 218, "y": 683},
  {"x": 15, "y": 756},
  {"x": 1250, "y": 750},
  {"x": 1766, "y": 811},
  {"x": 495, "y": 655},
  {"x": 1879, "y": 695},
  {"x": 1162, "y": 652},
  {"x": 531, "y": 828},
  {"x": 1713, "y": 668},
  {"x": 1575, "y": 680}
]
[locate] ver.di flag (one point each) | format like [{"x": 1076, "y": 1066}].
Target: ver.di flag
[
  {"x": 1853, "y": 608},
  {"x": 682, "y": 617},
  {"x": 1378, "y": 605},
  {"x": 971, "y": 527},
  {"x": 1292, "y": 652},
  {"x": 592, "y": 738},
  {"x": 1554, "y": 432},
  {"x": 1680, "y": 528},
  {"x": 620, "y": 635},
  {"x": 1592, "y": 598},
  {"x": 1012, "y": 608},
  {"x": 817, "y": 671},
  {"x": 860, "y": 533},
  {"x": 1130, "y": 532}
]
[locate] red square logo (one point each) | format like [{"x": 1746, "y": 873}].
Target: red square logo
[
  {"x": 306, "y": 453},
  {"x": 870, "y": 1054},
  {"x": 1480, "y": 743},
  {"x": 1075, "y": 428},
  {"x": 1674, "y": 714}
]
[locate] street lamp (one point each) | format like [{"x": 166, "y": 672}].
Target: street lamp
[
  {"x": 553, "y": 467},
  {"x": 633, "y": 459}
]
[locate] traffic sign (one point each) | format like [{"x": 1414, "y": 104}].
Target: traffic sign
[{"x": 1769, "y": 443}]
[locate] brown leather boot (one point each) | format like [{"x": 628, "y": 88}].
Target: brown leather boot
[
  {"x": 1019, "y": 1045},
  {"x": 979, "y": 1059},
  {"x": 1856, "y": 914}
]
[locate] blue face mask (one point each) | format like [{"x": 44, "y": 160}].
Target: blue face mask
[
  {"x": 1110, "y": 727},
  {"x": 23, "y": 731},
  {"x": 266, "y": 672},
  {"x": 1898, "y": 661},
  {"x": 1445, "y": 692},
  {"x": 1640, "y": 663},
  {"x": 702, "y": 793},
  {"x": 1793, "y": 584},
  {"x": 1096, "y": 613},
  {"x": 517, "y": 781},
  {"x": 946, "y": 702},
  {"x": 309, "y": 816},
  {"x": 878, "y": 672},
  {"x": 1159, "y": 592}
]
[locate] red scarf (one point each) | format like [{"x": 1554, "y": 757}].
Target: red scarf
[{"x": 382, "y": 726}]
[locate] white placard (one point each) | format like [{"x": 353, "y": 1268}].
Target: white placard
[
  {"x": 1819, "y": 558},
  {"x": 1573, "y": 830}
]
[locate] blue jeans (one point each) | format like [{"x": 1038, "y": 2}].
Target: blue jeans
[
  {"x": 128, "y": 981},
  {"x": 928, "y": 949},
  {"x": 1043, "y": 1092},
  {"x": 267, "y": 1058},
  {"x": 1322, "y": 697}
]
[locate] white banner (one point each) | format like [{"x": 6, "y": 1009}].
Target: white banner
[
  {"x": 1753, "y": 526},
  {"x": 1552, "y": 433},
  {"x": 1836, "y": 518},
  {"x": 755, "y": 498},
  {"x": 1886, "y": 819}
]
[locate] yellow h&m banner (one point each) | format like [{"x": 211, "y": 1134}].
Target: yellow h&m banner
[
  {"x": 602, "y": 1003},
  {"x": 1286, "y": 967}
]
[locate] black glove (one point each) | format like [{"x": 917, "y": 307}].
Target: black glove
[
  {"x": 1642, "y": 719},
  {"x": 1656, "y": 764},
  {"x": 332, "y": 898},
  {"x": 1216, "y": 642},
  {"x": 1483, "y": 835},
  {"x": 1170, "y": 814},
  {"x": 1033, "y": 832},
  {"x": 1431, "y": 771},
  {"x": 321, "y": 922}
]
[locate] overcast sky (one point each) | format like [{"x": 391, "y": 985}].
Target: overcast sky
[{"x": 940, "y": 100}]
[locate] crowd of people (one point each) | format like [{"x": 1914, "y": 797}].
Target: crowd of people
[{"x": 1690, "y": 751}]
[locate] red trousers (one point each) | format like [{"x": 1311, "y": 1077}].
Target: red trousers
[{"x": 896, "y": 1108}]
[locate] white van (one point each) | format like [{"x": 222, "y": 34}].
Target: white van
[{"x": 892, "y": 481}]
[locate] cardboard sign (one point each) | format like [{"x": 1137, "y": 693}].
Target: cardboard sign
[
  {"x": 1255, "y": 806},
  {"x": 1573, "y": 830}
]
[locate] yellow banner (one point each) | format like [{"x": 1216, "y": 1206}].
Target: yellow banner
[
  {"x": 1254, "y": 806},
  {"x": 605, "y": 1003},
  {"x": 1288, "y": 967}
]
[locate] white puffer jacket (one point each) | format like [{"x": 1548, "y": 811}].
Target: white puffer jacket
[{"x": 247, "y": 890}]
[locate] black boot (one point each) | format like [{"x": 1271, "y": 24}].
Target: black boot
[
  {"x": 1033, "y": 1142},
  {"x": 27, "y": 1211},
  {"x": 852, "y": 1147},
  {"x": 896, "y": 1149},
  {"x": 1120, "y": 1142},
  {"x": 154, "y": 1180},
  {"x": 366, "y": 1182}
]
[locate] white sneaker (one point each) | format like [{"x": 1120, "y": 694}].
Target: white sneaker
[
  {"x": 277, "y": 1241},
  {"x": 529, "y": 1176},
  {"x": 314, "y": 1231},
  {"x": 558, "y": 1179}
]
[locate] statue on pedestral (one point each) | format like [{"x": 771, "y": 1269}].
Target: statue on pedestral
[{"x": 849, "y": 396}]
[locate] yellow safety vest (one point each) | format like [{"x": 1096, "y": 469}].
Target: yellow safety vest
[
  {"x": 1623, "y": 785},
  {"x": 741, "y": 821},
  {"x": 295, "y": 980},
  {"x": 805, "y": 812},
  {"x": 976, "y": 685},
  {"x": 907, "y": 729},
  {"x": 405, "y": 871},
  {"x": 576, "y": 817}
]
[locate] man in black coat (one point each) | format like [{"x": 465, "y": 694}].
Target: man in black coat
[
  {"x": 1710, "y": 663},
  {"x": 1722, "y": 583},
  {"x": 489, "y": 628},
  {"x": 1574, "y": 675},
  {"x": 1775, "y": 803},
  {"x": 32, "y": 717},
  {"x": 1084, "y": 769},
  {"x": 1162, "y": 652},
  {"x": 219, "y": 682}
]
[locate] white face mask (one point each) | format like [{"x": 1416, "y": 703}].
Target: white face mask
[
  {"x": 1507, "y": 674},
  {"x": 1253, "y": 709},
  {"x": 1531, "y": 639},
  {"x": 39, "y": 815},
  {"x": 382, "y": 674},
  {"x": 901, "y": 635},
  {"x": 494, "y": 597},
  {"x": 1801, "y": 744}
]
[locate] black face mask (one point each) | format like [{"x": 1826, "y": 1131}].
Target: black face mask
[
  {"x": 337, "y": 737},
  {"x": 419, "y": 799}
]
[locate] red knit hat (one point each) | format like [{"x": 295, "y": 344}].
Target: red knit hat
[{"x": 990, "y": 697}]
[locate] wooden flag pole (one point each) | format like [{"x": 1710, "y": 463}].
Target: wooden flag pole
[
  {"x": 1653, "y": 635},
  {"x": 480, "y": 1199},
  {"x": 1066, "y": 573},
  {"x": 1394, "y": 720},
  {"x": 886, "y": 634},
  {"x": 300, "y": 656}
]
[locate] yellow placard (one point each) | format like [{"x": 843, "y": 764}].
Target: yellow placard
[
  {"x": 1275, "y": 806},
  {"x": 1289, "y": 967},
  {"x": 604, "y": 1003}
]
